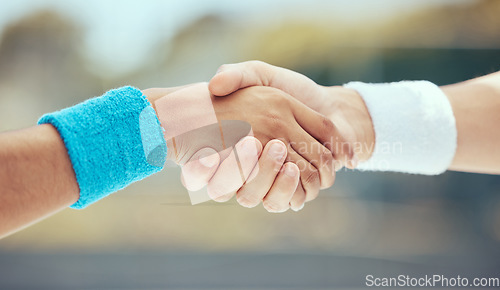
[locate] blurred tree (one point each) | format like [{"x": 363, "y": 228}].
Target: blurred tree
[
  {"x": 475, "y": 25},
  {"x": 194, "y": 53},
  {"x": 40, "y": 65}
]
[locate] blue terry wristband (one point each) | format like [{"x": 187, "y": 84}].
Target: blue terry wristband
[{"x": 112, "y": 141}]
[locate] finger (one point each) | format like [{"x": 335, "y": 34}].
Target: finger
[
  {"x": 299, "y": 198},
  {"x": 309, "y": 175},
  {"x": 316, "y": 154},
  {"x": 232, "y": 77},
  {"x": 324, "y": 130},
  {"x": 280, "y": 194},
  {"x": 235, "y": 169},
  {"x": 200, "y": 168},
  {"x": 270, "y": 162}
]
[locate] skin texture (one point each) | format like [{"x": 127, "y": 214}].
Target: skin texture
[
  {"x": 36, "y": 177},
  {"x": 272, "y": 114},
  {"x": 475, "y": 104},
  {"x": 344, "y": 107},
  {"x": 205, "y": 168}
]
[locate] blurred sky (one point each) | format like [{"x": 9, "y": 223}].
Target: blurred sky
[{"x": 108, "y": 24}]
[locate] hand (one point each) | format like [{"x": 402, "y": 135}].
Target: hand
[
  {"x": 274, "y": 114},
  {"x": 344, "y": 107},
  {"x": 251, "y": 193},
  {"x": 270, "y": 181}
]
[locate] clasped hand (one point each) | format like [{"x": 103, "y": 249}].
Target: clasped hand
[{"x": 258, "y": 143}]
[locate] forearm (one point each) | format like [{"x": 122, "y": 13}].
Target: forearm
[
  {"x": 427, "y": 129},
  {"x": 36, "y": 177},
  {"x": 78, "y": 156},
  {"x": 473, "y": 108},
  {"x": 476, "y": 106}
]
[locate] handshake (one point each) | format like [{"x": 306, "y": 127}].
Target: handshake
[
  {"x": 260, "y": 132},
  {"x": 263, "y": 133}
]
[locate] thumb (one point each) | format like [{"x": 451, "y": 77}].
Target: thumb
[
  {"x": 232, "y": 77},
  {"x": 200, "y": 168}
]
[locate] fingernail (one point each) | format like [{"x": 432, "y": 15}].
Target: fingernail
[
  {"x": 290, "y": 171},
  {"x": 300, "y": 208},
  {"x": 208, "y": 160},
  {"x": 277, "y": 151}
]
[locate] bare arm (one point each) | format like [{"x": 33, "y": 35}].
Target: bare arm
[
  {"x": 476, "y": 106},
  {"x": 36, "y": 177}
]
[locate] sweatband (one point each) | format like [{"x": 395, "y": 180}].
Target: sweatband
[
  {"x": 112, "y": 141},
  {"x": 414, "y": 125}
]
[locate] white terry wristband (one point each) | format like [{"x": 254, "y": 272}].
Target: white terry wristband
[{"x": 415, "y": 129}]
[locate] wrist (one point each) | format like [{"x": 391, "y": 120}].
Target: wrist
[
  {"x": 103, "y": 137},
  {"x": 182, "y": 113},
  {"x": 414, "y": 125},
  {"x": 347, "y": 110}
]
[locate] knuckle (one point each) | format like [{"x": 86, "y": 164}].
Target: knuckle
[
  {"x": 310, "y": 177},
  {"x": 257, "y": 64},
  {"x": 264, "y": 69}
]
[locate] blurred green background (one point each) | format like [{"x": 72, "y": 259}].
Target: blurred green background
[{"x": 57, "y": 53}]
